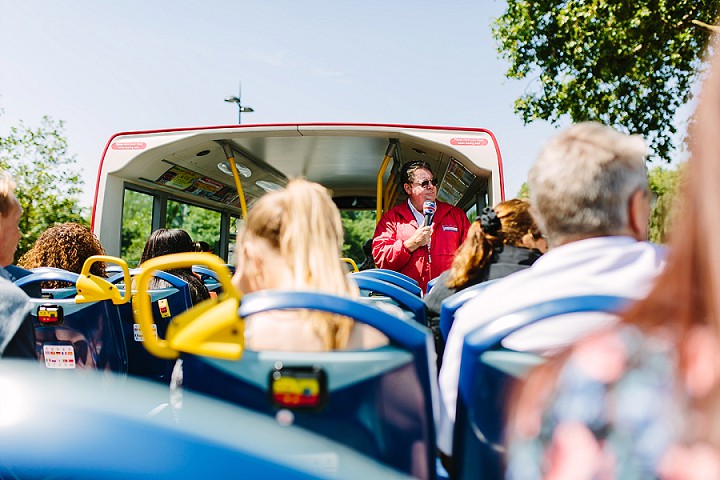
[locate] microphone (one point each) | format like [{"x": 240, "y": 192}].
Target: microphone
[{"x": 428, "y": 211}]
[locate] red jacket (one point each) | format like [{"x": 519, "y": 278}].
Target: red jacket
[{"x": 450, "y": 226}]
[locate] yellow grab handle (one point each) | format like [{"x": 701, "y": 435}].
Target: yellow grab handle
[
  {"x": 210, "y": 328},
  {"x": 91, "y": 288},
  {"x": 351, "y": 262}
]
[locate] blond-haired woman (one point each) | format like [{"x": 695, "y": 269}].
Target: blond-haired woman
[{"x": 292, "y": 240}]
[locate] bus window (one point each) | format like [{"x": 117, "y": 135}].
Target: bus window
[
  {"x": 136, "y": 225},
  {"x": 201, "y": 223}
]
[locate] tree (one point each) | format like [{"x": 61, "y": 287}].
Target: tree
[
  {"x": 664, "y": 186},
  {"x": 48, "y": 183},
  {"x": 629, "y": 64},
  {"x": 359, "y": 226}
]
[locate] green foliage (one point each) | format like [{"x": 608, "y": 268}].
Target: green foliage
[
  {"x": 524, "y": 192},
  {"x": 629, "y": 64},
  {"x": 201, "y": 223},
  {"x": 136, "y": 225},
  {"x": 48, "y": 183},
  {"x": 359, "y": 226},
  {"x": 663, "y": 185}
]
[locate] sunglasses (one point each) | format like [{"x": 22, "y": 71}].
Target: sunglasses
[{"x": 426, "y": 183}]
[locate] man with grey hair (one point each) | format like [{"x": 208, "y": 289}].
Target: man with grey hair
[
  {"x": 591, "y": 199},
  {"x": 17, "y": 336}
]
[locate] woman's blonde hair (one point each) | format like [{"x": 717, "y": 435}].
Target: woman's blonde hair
[
  {"x": 475, "y": 254},
  {"x": 302, "y": 223}
]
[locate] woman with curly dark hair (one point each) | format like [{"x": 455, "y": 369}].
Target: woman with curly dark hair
[{"x": 65, "y": 246}]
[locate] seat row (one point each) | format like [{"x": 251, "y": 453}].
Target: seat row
[{"x": 381, "y": 403}]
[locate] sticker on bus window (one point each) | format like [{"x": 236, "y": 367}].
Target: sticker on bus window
[
  {"x": 137, "y": 334},
  {"x": 59, "y": 356},
  {"x": 298, "y": 388}
]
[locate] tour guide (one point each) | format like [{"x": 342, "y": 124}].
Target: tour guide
[{"x": 403, "y": 243}]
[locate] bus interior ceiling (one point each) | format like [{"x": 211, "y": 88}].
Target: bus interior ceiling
[{"x": 347, "y": 165}]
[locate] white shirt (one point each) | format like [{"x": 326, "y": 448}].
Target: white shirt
[{"x": 604, "y": 265}]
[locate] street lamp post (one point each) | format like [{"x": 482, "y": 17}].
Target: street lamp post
[{"x": 241, "y": 108}]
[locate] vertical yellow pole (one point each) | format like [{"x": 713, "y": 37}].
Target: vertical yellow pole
[{"x": 236, "y": 178}]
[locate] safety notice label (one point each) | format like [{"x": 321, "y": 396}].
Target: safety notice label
[{"x": 59, "y": 356}]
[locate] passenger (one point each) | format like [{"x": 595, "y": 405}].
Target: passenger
[
  {"x": 535, "y": 239},
  {"x": 65, "y": 246},
  {"x": 368, "y": 263},
  {"x": 499, "y": 242},
  {"x": 589, "y": 194},
  {"x": 404, "y": 244},
  {"x": 654, "y": 410},
  {"x": 202, "y": 247},
  {"x": 17, "y": 336},
  {"x": 165, "y": 241},
  {"x": 292, "y": 239}
]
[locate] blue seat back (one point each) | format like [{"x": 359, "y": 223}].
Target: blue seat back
[
  {"x": 378, "y": 402},
  {"x": 86, "y": 335},
  {"x": 395, "y": 278},
  {"x": 451, "y": 304},
  {"x": 431, "y": 284},
  {"x": 403, "y": 298},
  {"x": 166, "y": 304},
  {"x": 209, "y": 278},
  {"x": 487, "y": 373},
  {"x": 114, "y": 437}
]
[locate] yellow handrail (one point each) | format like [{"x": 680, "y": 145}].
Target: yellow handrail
[
  {"x": 352, "y": 263},
  {"x": 91, "y": 288},
  {"x": 211, "y": 328},
  {"x": 236, "y": 178}
]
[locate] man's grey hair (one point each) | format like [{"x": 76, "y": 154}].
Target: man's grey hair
[{"x": 583, "y": 180}]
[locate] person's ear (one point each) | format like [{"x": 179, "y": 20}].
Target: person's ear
[
  {"x": 639, "y": 214},
  {"x": 249, "y": 275},
  {"x": 407, "y": 188}
]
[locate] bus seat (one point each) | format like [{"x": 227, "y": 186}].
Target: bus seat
[
  {"x": 32, "y": 286},
  {"x": 117, "y": 439},
  {"x": 406, "y": 300},
  {"x": 166, "y": 304},
  {"x": 488, "y": 370},
  {"x": 395, "y": 278},
  {"x": 209, "y": 278},
  {"x": 431, "y": 284},
  {"x": 72, "y": 335},
  {"x": 378, "y": 402},
  {"x": 451, "y": 304}
]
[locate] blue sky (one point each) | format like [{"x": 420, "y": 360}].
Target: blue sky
[{"x": 107, "y": 66}]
